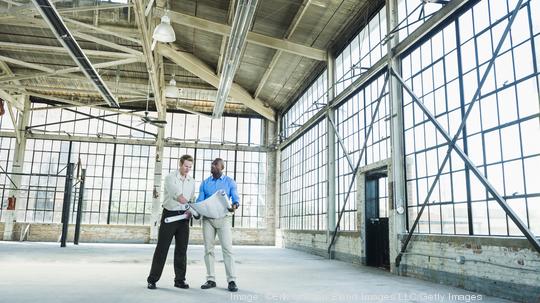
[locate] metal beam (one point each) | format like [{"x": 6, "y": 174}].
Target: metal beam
[
  {"x": 112, "y": 122},
  {"x": 68, "y": 121},
  {"x": 93, "y": 8},
  {"x": 150, "y": 63},
  {"x": 12, "y": 2},
  {"x": 21, "y": 47},
  {"x": 201, "y": 70},
  {"x": 11, "y": 100},
  {"x": 107, "y": 43},
  {"x": 169, "y": 142},
  {"x": 101, "y": 30},
  {"x": 72, "y": 70},
  {"x": 69, "y": 90},
  {"x": 340, "y": 140},
  {"x": 294, "y": 24},
  {"x": 19, "y": 104},
  {"x": 63, "y": 100},
  {"x": 71, "y": 105},
  {"x": 14, "y": 120},
  {"x": 40, "y": 23},
  {"x": 252, "y": 37},
  {"x": 30, "y": 9},
  {"x": 27, "y": 64}
]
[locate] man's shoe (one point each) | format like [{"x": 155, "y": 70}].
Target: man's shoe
[
  {"x": 151, "y": 285},
  {"x": 208, "y": 284},
  {"x": 181, "y": 284},
  {"x": 232, "y": 286}
]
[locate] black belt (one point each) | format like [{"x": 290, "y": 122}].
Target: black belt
[{"x": 169, "y": 213}]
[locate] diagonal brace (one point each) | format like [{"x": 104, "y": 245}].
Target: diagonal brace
[
  {"x": 355, "y": 171},
  {"x": 469, "y": 163},
  {"x": 340, "y": 140}
]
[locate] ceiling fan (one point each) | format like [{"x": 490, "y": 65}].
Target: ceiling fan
[
  {"x": 153, "y": 121},
  {"x": 149, "y": 119}
]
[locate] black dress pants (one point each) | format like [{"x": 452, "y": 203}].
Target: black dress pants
[{"x": 180, "y": 231}]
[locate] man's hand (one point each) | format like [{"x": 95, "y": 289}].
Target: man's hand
[
  {"x": 182, "y": 199},
  {"x": 233, "y": 208},
  {"x": 188, "y": 214}
]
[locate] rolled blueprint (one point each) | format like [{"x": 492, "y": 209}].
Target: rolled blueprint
[
  {"x": 175, "y": 218},
  {"x": 215, "y": 207}
]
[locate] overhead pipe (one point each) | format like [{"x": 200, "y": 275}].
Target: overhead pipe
[{"x": 243, "y": 19}]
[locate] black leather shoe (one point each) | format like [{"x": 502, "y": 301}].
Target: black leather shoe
[
  {"x": 181, "y": 284},
  {"x": 232, "y": 286},
  {"x": 151, "y": 285},
  {"x": 208, "y": 284}
]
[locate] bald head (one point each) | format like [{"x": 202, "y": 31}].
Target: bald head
[{"x": 217, "y": 167}]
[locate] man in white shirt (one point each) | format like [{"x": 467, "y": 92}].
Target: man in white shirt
[{"x": 179, "y": 189}]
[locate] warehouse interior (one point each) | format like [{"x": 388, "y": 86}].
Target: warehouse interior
[{"x": 383, "y": 150}]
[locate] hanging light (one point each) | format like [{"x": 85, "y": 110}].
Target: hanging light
[
  {"x": 171, "y": 91},
  {"x": 164, "y": 32}
]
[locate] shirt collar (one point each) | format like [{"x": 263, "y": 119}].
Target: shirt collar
[
  {"x": 221, "y": 178},
  {"x": 187, "y": 178}
]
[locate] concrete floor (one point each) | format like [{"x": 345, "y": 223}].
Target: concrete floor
[{"x": 44, "y": 272}]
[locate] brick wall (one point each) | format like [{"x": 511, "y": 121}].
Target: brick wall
[
  {"x": 50, "y": 232},
  {"x": 347, "y": 246},
  {"x": 502, "y": 267}
]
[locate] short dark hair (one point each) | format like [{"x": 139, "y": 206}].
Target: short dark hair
[{"x": 185, "y": 158}]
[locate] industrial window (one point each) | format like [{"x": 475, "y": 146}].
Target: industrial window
[
  {"x": 42, "y": 185},
  {"x": 7, "y": 150},
  {"x": 501, "y": 134},
  {"x": 362, "y": 53},
  {"x": 313, "y": 99},
  {"x": 97, "y": 159},
  {"x": 6, "y": 124},
  {"x": 303, "y": 203},
  {"x": 202, "y": 129},
  {"x": 412, "y": 13},
  {"x": 132, "y": 187},
  {"x": 353, "y": 118}
]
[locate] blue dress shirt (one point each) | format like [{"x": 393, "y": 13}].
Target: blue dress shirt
[{"x": 210, "y": 186}]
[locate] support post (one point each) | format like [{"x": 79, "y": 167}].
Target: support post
[
  {"x": 79, "y": 207},
  {"x": 398, "y": 219},
  {"x": 67, "y": 203},
  {"x": 331, "y": 155},
  {"x": 17, "y": 168},
  {"x": 272, "y": 177},
  {"x": 156, "y": 196}
]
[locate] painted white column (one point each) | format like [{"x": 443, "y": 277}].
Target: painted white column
[
  {"x": 17, "y": 167},
  {"x": 331, "y": 153},
  {"x": 397, "y": 216},
  {"x": 157, "y": 192}
]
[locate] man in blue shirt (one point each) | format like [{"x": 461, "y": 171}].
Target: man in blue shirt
[{"x": 221, "y": 226}]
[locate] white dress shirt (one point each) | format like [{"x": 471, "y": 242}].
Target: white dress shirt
[{"x": 176, "y": 185}]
